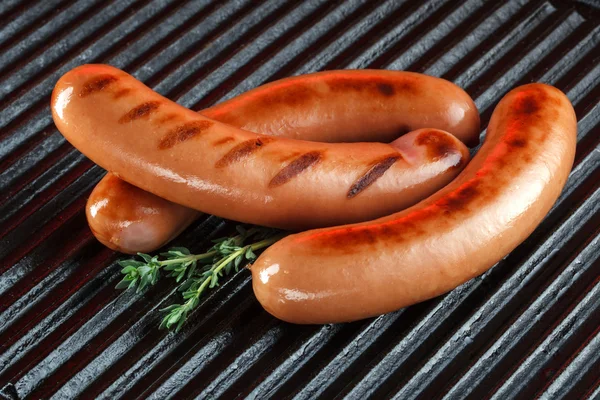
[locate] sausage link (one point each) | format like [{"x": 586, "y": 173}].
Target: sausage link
[
  {"x": 128, "y": 219},
  {"x": 198, "y": 162},
  {"x": 356, "y": 271}
]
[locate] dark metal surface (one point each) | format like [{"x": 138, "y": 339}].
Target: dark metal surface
[{"x": 529, "y": 327}]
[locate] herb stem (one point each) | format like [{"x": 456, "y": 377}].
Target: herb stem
[{"x": 192, "y": 257}]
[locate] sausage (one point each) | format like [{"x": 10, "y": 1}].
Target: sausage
[
  {"x": 130, "y": 220},
  {"x": 170, "y": 151},
  {"x": 351, "y": 272}
]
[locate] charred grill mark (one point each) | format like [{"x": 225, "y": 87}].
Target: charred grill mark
[
  {"x": 121, "y": 93},
  {"x": 374, "y": 173},
  {"x": 460, "y": 199},
  {"x": 529, "y": 105},
  {"x": 374, "y": 85},
  {"x": 439, "y": 145},
  {"x": 97, "y": 84},
  {"x": 183, "y": 132},
  {"x": 518, "y": 142},
  {"x": 296, "y": 167},
  {"x": 141, "y": 111},
  {"x": 385, "y": 89},
  {"x": 242, "y": 151}
]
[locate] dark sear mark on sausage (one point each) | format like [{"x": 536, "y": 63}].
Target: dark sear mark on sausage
[
  {"x": 242, "y": 151},
  {"x": 375, "y": 85},
  {"x": 517, "y": 142},
  {"x": 385, "y": 89},
  {"x": 141, "y": 111},
  {"x": 374, "y": 173},
  {"x": 438, "y": 145},
  {"x": 97, "y": 84},
  {"x": 460, "y": 199},
  {"x": 529, "y": 105},
  {"x": 121, "y": 92},
  {"x": 295, "y": 168},
  {"x": 183, "y": 132}
]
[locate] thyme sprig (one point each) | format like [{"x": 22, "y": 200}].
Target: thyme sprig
[{"x": 195, "y": 272}]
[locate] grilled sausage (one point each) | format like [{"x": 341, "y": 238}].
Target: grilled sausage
[
  {"x": 128, "y": 219},
  {"x": 356, "y": 271},
  {"x": 184, "y": 157}
]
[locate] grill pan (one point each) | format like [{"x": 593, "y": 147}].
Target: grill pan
[{"x": 528, "y": 328}]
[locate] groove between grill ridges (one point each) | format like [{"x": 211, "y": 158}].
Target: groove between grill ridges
[
  {"x": 224, "y": 44},
  {"x": 584, "y": 313},
  {"x": 31, "y": 73},
  {"x": 11, "y": 7},
  {"x": 17, "y": 197},
  {"x": 203, "y": 230},
  {"x": 326, "y": 19},
  {"x": 580, "y": 368},
  {"x": 231, "y": 306},
  {"x": 554, "y": 32},
  {"x": 23, "y": 24}
]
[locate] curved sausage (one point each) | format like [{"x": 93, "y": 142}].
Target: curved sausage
[
  {"x": 130, "y": 220},
  {"x": 356, "y": 271},
  {"x": 166, "y": 149}
]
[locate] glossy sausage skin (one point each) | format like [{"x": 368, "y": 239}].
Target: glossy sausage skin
[
  {"x": 356, "y": 271},
  {"x": 170, "y": 151},
  {"x": 128, "y": 219},
  {"x": 131, "y": 220}
]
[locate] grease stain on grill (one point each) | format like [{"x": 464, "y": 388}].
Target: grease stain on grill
[
  {"x": 296, "y": 167},
  {"x": 375, "y": 172},
  {"x": 183, "y": 133},
  {"x": 97, "y": 84},
  {"x": 141, "y": 111},
  {"x": 243, "y": 150}
]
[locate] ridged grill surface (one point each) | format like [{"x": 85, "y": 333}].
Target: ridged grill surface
[{"x": 529, "y": 327}]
